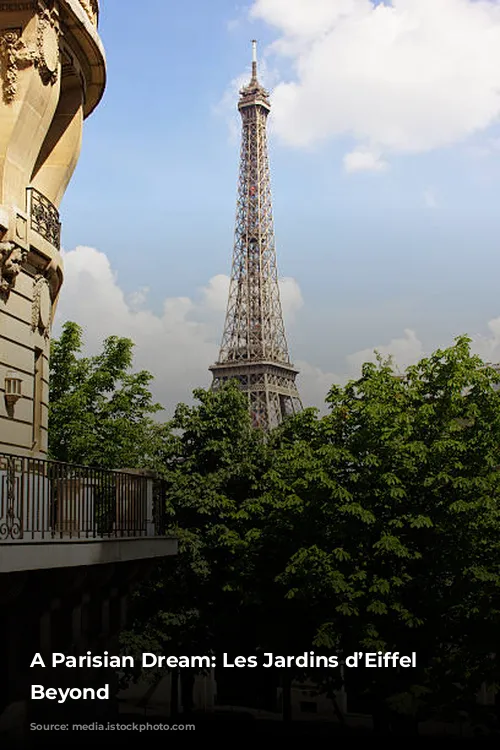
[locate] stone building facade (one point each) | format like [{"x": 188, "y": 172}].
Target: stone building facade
[
  {"x": 73, "y": 541},
  {"x": 52, "y": 68}
]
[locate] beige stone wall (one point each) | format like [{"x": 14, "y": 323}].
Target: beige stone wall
[
  {"x": 18, "y": 347},
  {"x": 52, "y": 76}
]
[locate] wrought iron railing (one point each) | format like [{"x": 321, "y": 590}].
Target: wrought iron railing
[
  {"x": 43, "y": 500},
  {"x": 44, "y": 217}
]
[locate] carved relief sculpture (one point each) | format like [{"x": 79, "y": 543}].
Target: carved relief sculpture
[
  {"x": 47, "y": 57},
  {"x": 42, "y": 306},
  {"x": 16, "y": 55},
  {"x": 12, "y": 258}
]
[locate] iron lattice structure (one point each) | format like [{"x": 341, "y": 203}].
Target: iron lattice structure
[{"x": 254, "y": 348}]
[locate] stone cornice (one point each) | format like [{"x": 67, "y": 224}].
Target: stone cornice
[
  {"x": 78, "y": 21},
  {"x": 77, "y": 25},
  {"x": 91, "y": 7}
]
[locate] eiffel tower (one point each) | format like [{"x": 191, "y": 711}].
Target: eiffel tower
[{"x": 254, "y": 349}]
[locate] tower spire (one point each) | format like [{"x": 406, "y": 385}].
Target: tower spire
[
  {"x": 254, "y": 60},
  {"x": 254, "y": 348}
]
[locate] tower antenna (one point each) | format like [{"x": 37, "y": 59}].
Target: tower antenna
[{"x": 254, "y": 59}]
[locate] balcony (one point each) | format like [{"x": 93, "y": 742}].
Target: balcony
[
  {"x": 44, "y": 217},
  {"x": 55, "y": 515}
]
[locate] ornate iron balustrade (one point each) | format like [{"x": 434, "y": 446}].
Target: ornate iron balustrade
[
  {"x": 42, "y": 499},
  {"x": 44, "y": 217}
]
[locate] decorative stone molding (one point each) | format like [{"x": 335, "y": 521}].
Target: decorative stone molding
[
  {"x": 41, "y": 313},
  {"x": 12, "y": 258},
  {"x": 15, "y": 56},
  {"x": 47, "y": 42},
  {"x": 21, "y": 227},
  {"x": 91, "y": 8}
]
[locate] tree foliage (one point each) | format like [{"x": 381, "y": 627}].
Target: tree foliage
[
  {"x": 213, "y": 463},
  {"x": 100, "y": 412},
  {"x": 374, "y": 527},
  {"x": 395, "y": 495}
]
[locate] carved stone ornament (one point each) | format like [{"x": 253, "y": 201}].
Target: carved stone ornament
[
  {"x": 47, "y": 41},
  {"x": 42, "y": 306},
  {"x": 12, "y": 258},
  {"x": 91, "y": 8},
  {"x": 15, "y": 56}
]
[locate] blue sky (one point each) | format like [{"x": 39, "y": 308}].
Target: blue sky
[{"x": 385, "y": 156}]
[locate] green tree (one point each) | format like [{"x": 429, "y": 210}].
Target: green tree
[
  {"x": 100, "y": 413},
  {"x": 392, "y": 503},
  {"x": 213, "y": 464}
]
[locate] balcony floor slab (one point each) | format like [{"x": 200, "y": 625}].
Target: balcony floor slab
[{"x": 20, "y": 556}]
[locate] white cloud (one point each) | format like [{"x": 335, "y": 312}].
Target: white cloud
[
  {"x": 216, "y": 292},
  {"x": 178, "y": 344},
  {"x": 314, "y": 384},
  {"x": 364, "y": 160},
  {"x": 405, "y": 351},
  {"x": 173, "y": 345},
  {"x": 402, "y": 77},
  {"x": 139, "y": 298},
  {"x": 227, "y": 106},
  {"x": 291, "y": 298},
  {"x": 488, "y": 347}
]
